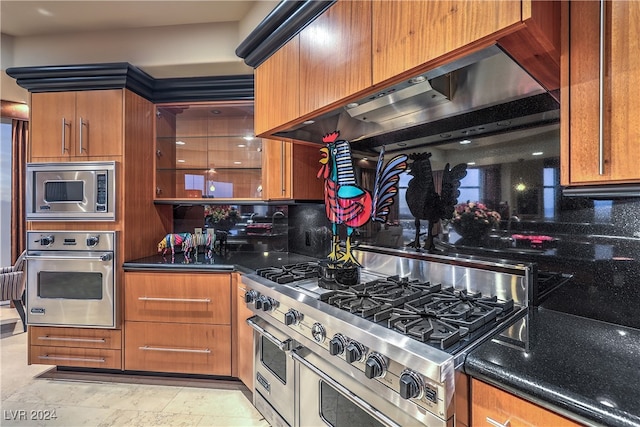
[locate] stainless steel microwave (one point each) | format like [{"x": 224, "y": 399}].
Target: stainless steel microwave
[{"x": 71, "y": 191}]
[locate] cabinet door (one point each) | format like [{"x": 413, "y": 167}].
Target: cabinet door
[
  {"x": 410, "y": 33},
  {"x": 245, "y": 340},
  {"x": 173, "y": 297},
  {"x": 335, "y": 55},
  {"x": 52, "y": 124},
  {"x": 99, "y": 123},
  {"x": 591, "y": 158},
  {"x": 304, "y": 178},
  {"x": 277, "y": 91},
  {"x": 276, "y": 169},
  {"x": 492, "y": 407}
]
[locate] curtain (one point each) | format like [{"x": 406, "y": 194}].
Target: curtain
[{"x": 19, "y": 138}]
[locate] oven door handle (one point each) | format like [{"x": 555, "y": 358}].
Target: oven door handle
[
  {"x": 103, "y": 257},
  {"x": 282, "y": 345},
  {"x": 344, "y": 391}
]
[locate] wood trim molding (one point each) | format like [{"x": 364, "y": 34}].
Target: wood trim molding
[{"x": 14, "y": 110}]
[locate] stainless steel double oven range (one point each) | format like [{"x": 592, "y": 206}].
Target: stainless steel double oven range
[{"x": 386, "y": 350}]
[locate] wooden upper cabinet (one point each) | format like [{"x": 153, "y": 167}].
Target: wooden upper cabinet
[
  {"x": 493, "y": 407},
  {"x": 589, "y": 157},
  {"x": 410, "y": 33},
  {"x": 289, "y": 170},
  {"x": 335, "y": 55},
  {"x": 77, "y": 125},
  {"x": 277, "y": 90}
]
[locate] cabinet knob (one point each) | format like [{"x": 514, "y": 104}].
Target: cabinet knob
[
  {"x": 158, "y": 191},
  {"x": 158, "y": 153}
]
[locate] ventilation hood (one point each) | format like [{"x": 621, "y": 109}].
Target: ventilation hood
[{"x": 482, "y": 94}]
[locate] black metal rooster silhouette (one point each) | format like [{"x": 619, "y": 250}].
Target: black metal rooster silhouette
[{"x": 423, "y": 200}]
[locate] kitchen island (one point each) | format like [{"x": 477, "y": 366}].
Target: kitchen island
[{"x": 584, "y": 369}]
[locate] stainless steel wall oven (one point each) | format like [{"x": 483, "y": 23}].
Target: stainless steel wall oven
[{"x": 71, "y": 279}]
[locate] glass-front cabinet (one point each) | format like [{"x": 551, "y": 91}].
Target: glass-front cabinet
[{"x": 207, "y": 151}]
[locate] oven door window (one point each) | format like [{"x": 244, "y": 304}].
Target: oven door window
[
  {"x": 70, "y": 285},
  {"x": 338, "y": 411},
  {"x": 274, "y": 359}
]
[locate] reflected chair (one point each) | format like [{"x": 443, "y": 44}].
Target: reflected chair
[{"x": 12, "y": 284}]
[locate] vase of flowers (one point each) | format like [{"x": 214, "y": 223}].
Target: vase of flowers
[
  {"x": 221, "y": 217},
  {"x": 473, "y": 221}
]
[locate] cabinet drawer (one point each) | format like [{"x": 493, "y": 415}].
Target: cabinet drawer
[
  {"x": 180, "y": 348},
  {"x": 179, "y": 298},
  {"x": 75, "y": 337},
  {"x": 75, "y": 356},
  {"x": 492, "y": 406}
]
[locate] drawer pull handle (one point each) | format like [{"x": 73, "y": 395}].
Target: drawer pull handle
[
  {"x": 73, "y": 359},
  {"x": 498, "y": 424},
  {"x": 175, "y": 350},
  {"x": 48, "y": 338},
  {"x": 207, "y": 300}
]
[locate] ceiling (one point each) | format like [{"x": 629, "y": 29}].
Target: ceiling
[{"x": 21, "y": 18}]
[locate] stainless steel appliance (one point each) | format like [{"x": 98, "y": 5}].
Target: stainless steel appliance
[
  {"x": 388, "y": 350},
  {"x": 79, "y": 191},
  {"x": 71, "y": 278},
  {"x": 274, "y": 373}
]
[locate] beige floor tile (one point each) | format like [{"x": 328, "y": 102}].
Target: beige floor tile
[
  {"x": 231, "y": 422},
  {"x": 137, "y": 397},
  {"x": 130, "y": 418},
  {"x": 218, "y": 403}
]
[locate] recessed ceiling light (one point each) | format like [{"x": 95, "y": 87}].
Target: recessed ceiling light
[
  {"x": 445, "y": 135},
  {"x": 215, "y": 111},
  {"x": 241, "y": 145},
  {"x": 248, "y": 138},
  {"x": 503, "y": 124},
  {"x": 364, "y": 159},
  {"x": 352, "y": 105},
  {"x": 537, "y": 153},
  {"x": 44, "y": 12},
  {"x": 465, "y": 141},
  {"x": 181, "y": 161},
  {"x": 402, "y": 144},
  {"x": 237, "y": 163},
  {"x": 308, "y": 122},
  {"x": 471, "y": 163},
  {"x": 180, "y": 143}
]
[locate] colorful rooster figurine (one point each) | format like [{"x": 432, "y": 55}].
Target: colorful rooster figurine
[{"x": 346, "y": 203}]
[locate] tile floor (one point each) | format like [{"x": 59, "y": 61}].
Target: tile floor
[{"x": 88, "y": 399}]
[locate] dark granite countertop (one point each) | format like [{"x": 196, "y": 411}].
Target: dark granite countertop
[
  {"x": 244, "y": 262},
  {"x": 579, "y": 367}
]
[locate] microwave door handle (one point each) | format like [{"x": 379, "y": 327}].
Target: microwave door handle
[{"x": 103, "y": 257}]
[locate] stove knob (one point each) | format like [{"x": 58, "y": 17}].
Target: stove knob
[
  {"x": 267, "y": 303},
  {"x": 92, "y": 241},
  {"x": 46, "y": 240},
  {"x": 292, "y": 317},
  {"x": 410, "y": 385},
  {"x": 258, "y": 302},
  {"x": 375, "y": 366},
  {"x": 354, "y": 352},
  {"x": 318, "y": 332},
  {"x": 337, "y": 344},
  {"x": 251, "y": 296}
]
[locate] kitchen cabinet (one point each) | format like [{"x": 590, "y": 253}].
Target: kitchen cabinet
[
  {"x": 492, "y": 407},
  {"x": 77, "y": 347},
  {"x": 335, "y": 55},
  {"x": 277, "y": 89},
  {"x": 77, "y": 125},
  {"x": 244, "y": 336},
  {"x": 290, "y": 170},
  {"x": 599, "y": 136},
  {"x": 409, "y": 34},
  {"x": 207, "y": 150},
  {"x": 178, "y": 323}
]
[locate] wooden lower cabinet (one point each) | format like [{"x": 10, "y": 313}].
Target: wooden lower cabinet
[
  {"x": 77, "y": 347},
  {"x": 178, "y": 322},
  {"x": 245, "y": 340},
  {"x": 178, "y": 347},
  {"x": 492, "y": 406}
]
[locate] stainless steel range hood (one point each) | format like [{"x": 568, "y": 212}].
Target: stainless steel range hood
[{"x": 481, "y": 94}]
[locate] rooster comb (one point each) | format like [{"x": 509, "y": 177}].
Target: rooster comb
[
  {"x": 331, "y": 137},
  {"x": 419, "y": 156}
]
